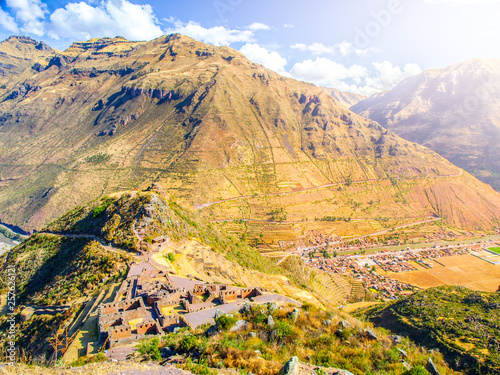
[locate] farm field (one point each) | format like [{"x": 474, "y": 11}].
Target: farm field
[
  {"x": 464, "y": 270},
  {"x": 495, "y": 249}
]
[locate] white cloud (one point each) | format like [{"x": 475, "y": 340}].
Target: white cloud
[
  {"x": 109, "y": 18},
  {"x": 387, "y": 75},
  {"x": 316, "y": 48},
  {"x": 258, "y": 26},
  {"x": 260, "y": 55},
  {"x": 288, "y": 26},
  {"x": 325, "y": 72},
  {"x": 218, "y": 35},
  {"x": 355, "y": 78},
  {"x": 7, "y": 22},
  {"x": 342, "y": 49},
  {"x": 30, "y": 14}
]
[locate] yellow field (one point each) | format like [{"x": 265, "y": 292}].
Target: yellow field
[{"x": 465, "y": 270}]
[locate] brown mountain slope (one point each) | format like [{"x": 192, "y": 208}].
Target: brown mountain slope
[
  {"x": 251, "y": 148},
  {"x": 20, "y": 58},
  {"x": 455, "y": 111}
]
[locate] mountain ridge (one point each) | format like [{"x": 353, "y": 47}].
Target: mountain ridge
[
  {"x": 452, "y": 110},
  {"x": 109, "y": 115}
]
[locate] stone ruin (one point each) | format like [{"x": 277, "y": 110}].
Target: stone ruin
[{"x": 137, "y": 310}]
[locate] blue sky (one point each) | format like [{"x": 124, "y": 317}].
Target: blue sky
[{"x": 363, "y": 46}]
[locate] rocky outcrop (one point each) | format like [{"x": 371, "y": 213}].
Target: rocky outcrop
[
  {"x": 41, "y": 46},
  {"x": 37, "y": 67},
  {"x": 23, "y": 90},
  {"x": 161, "y": 94},
  {"x": 59, "y": 61}
]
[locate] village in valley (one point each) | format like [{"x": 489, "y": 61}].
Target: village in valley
[{"x": 390, "y": 274}]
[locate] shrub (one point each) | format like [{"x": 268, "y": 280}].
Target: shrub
[
  {"x": 98, "y": 158},
  {"x": 260, "y": 318},
  {"x": 417, "y": 370},
  {"x": 283, "y": 330},
  {"x": 171, "y": 257},
  {"x": 150, "y": 349},
  {"x": 200, "y": 368},
  {"x": 226, "y": 322},
  {"x": 102, "y": 207},
  {"x": 393, "y": 355},
  {"x": 188, "y": 343}
]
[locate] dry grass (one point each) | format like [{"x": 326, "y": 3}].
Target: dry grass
[{"x": 464, "y": 270}]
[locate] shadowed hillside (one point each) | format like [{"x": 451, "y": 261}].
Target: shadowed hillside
[{"x": 461, "y": 323}]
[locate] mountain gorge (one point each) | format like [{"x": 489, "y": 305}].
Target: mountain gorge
[
  {"x": 253, "y": 151},
  {"x": 455, "y": 111}
]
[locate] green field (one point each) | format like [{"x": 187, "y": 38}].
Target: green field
[{"x": 495, "y": 249}]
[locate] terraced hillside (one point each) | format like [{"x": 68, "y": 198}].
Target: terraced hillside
[{"x": 253, "y": 151}]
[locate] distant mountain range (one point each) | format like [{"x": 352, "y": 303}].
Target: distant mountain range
[
  {"x": 455, "y": 111},
  {"x": 347, "y": 99},
  {"x": 252, "y": 150}
]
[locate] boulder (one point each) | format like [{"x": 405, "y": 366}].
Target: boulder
[
  {"x": 291, "y": 367},
  {"x": 218, "y": 314},
  {"x": 272, "y": 307},
  {"x": 213, "y": 330},
  {"x": 240, "y": 325},
  {"x": 403, "y": 353},
  {"x": 246, "y": 309},
  {"x": 431, "y": 367},
  {"x": 344, "y": 324},
  {"x": 294, "y": 314},
  {"x": 270, "y": 321},
  {"x": 370, "y": 335},
  {"x": 396, "y": 339}
]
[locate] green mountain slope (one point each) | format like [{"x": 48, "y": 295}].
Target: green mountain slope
[{"x": 462, "y": 324}]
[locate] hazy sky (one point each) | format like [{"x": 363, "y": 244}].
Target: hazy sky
[{"x": 361, "y": 46}]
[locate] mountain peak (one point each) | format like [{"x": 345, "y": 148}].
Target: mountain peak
[
  {"x": 23, "y": 46},
  {"x": 453, "y": 110},
  {"x": 192, "y": 115}
]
